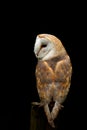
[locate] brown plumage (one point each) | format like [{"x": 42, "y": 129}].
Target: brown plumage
[{"x": 53, "y": 74}]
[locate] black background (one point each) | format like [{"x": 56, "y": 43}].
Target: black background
[{"x": 20, "y": 25}]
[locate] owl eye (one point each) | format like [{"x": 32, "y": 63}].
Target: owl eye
[{"x": 43, "y": 46}]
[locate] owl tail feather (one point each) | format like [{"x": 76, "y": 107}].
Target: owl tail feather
[
  {"x": 55, "y": 110},
  {"x": 48, "y": 115},
  {"x": 51, "y": 122},
  {"x": 53, "y": 114}
]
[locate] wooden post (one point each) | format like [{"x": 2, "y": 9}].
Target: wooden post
[{"x": 38, "y": 120}]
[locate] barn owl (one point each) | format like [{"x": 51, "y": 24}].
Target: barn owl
[{"x": 53, "y": 74}]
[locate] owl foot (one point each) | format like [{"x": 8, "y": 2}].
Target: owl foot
[
  {"x": 60, "y": 106},
  {"x": 40, "y": 104}
]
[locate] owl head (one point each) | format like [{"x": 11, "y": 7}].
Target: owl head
[{"x": 48, "y": 46}]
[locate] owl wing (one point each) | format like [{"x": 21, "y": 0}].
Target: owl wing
[
  {"x": 44, "y": 77},
  {"x": 63, "y": 72}
]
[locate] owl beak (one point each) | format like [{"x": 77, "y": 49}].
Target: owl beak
[
  {"x": 36, "y": 54},
  {"x": 36, "y": 51},
  {"x": 37, "y": 48}
]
